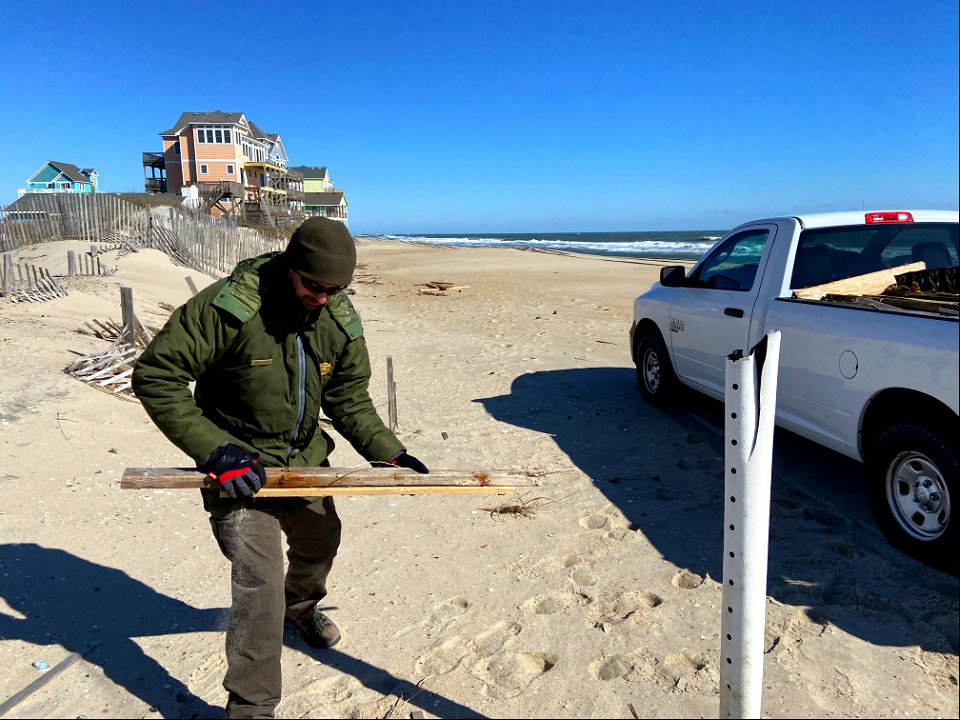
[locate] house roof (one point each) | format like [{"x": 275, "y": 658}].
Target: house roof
[
  {"x": 217, "y": 117},
  {"x": 257, "y": 132},
  {"x": 311, "y": 173},
  {"x": 324, "y": 198},
  {"x": 71, "y": 171}
]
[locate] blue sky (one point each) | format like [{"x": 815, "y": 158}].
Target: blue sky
[{"x": 442, "y": 116}]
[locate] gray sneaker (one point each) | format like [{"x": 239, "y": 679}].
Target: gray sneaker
[{"x": 320, "y": 632}]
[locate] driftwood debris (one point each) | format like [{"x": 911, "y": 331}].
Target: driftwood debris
[
  {"x": 313, "y": 481},
  {"x": 438, "y": 287}
]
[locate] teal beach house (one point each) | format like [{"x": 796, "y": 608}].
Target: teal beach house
[{"x": 62, "y": 177}]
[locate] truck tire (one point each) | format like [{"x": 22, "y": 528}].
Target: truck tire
[
  {"x": 913, "y": 487},
  {"x": 656, "y": 379}
]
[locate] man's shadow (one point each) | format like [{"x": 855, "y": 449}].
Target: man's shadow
[
  {"x": 74, "y": 603},
  {"x": 70, "y": 602}
]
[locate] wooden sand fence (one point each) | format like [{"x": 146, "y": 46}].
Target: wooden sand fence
[{"x": 195, "y": 240}]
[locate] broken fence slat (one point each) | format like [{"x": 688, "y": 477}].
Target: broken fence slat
[{"x": 286, "y": 482}]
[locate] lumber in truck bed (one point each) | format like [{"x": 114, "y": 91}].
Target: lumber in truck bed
[{"x": 914, "y": 288}]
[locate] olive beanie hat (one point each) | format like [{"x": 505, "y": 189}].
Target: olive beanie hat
[{"x": 323, "y": 251}]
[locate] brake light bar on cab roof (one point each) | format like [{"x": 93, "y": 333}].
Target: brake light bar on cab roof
[{"x": 889, "y": 216}]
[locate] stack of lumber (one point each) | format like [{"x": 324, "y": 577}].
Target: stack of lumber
[{"x": 907, "y": 287}]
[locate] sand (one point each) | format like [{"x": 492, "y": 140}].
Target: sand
[{"x": 603, "y": 595}]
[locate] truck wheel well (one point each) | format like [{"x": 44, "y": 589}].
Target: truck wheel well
[
  {"x": 644, "y": 326},
  {"x": 898, "y": 404}
]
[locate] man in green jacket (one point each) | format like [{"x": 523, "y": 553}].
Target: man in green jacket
[{"x": 269, "y": 348}]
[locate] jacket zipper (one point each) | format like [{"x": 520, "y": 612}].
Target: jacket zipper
[{"x": 301, "y": 393}]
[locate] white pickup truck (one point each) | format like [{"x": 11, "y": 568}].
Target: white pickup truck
[{"x": 872, "y": 381}]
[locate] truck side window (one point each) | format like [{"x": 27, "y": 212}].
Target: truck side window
[{"x": 733, "y": 265}]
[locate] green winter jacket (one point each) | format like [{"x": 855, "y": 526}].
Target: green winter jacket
[{"x": 264, "y": 368}]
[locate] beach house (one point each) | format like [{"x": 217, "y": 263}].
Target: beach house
[
  {"x": 56, "y": 176},
  {"x": 321, "y": 198},
  {"x": 228, "y": 166}
]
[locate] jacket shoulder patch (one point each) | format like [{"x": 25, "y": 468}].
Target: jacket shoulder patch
[
  {"x": 240, "y": 295},
  {"x": 226, "y": 300},
  {"x": 346, "y": 316}
]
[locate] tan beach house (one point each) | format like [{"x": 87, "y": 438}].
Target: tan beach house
[{"x": 228, "y": 166}]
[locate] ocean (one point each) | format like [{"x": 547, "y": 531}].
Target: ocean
[{"x": 671, "y": 245}]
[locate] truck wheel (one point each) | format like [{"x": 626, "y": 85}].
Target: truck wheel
[
  {"x": 913, "y": 482},
  {"x": 655, "y": 377}
]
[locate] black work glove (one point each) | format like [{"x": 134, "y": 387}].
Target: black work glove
[
  {"x": 237, "y": 470},
  {"x": 405, "y": 460}
]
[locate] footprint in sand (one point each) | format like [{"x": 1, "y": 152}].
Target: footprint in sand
[
  {"x": 329, "y": 697},
  {"x": 495, "y": 638},
  {"x": 443, "y": 614},
  {"x": 634, "y": 666},
  {"x": 687, "y": 580},
  {"x": 583, "y": 577},
  {"x": 596, "y": 521},
  {"x": 677, "y": 673},
  {"x": 617, "y": 614},
  {"x": 506, "y": 675},
  {"x": 442, "y": 658},
  {"x": 538, "y": 569},
  {"x": 206, "y": 681},
  {"x": 683, "y": 673},
  {"x": 554, "y": 603}
]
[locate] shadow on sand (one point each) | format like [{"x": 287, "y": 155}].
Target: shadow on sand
[
  {"x": 67, "y": 601},
  {"x": 664, "y": 471}
]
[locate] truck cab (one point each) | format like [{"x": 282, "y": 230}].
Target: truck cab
[{"x": 850, "y": 369}]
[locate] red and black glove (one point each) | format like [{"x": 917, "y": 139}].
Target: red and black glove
[
  {"x": 405, "y": 460},
  {"x": 237, "y": 470}
]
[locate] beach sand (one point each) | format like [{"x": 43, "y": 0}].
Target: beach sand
[{"x": 603, "y": 595}]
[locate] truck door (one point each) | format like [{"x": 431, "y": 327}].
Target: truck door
[{"x": 710, "y": 314}]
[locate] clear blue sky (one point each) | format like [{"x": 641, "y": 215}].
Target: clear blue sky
[{"x": 466, "y": 116}]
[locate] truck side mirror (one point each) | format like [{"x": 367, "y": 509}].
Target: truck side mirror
[{"x": 672, "y": 276}]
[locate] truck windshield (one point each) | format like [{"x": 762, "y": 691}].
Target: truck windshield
[{"x": 828, "y": 254}]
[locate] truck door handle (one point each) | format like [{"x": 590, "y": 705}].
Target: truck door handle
[{"x": 733, "y": 312}]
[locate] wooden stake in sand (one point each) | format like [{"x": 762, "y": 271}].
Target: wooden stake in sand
[{"x": 314, "y": 481}]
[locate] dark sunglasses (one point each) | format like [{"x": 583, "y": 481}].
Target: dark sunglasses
[{"x": 319, "y": 289}]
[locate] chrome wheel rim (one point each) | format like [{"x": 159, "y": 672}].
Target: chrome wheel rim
[
  {"x": 651, "y": 371},
  {"x": 918, "y": 496}
]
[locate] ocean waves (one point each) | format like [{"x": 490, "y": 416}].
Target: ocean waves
[{"x": 668, "y": 245}]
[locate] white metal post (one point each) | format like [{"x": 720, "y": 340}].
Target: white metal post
[{"x": 750, "y": 405}]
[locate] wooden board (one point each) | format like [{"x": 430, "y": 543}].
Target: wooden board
[
  {"x": 870, "y": 284},
  {"x": 315, "y": 481}
]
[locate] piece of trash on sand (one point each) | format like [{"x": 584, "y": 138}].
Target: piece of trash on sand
[{"x": 40, "y": 665}]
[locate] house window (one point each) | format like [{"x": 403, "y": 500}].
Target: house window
[
  {"x": 176, "y": 148},
  {"x": 229, "y": 169},
  {"x": 219, "y": 134},
  {"x": 203, "y": 169}
]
